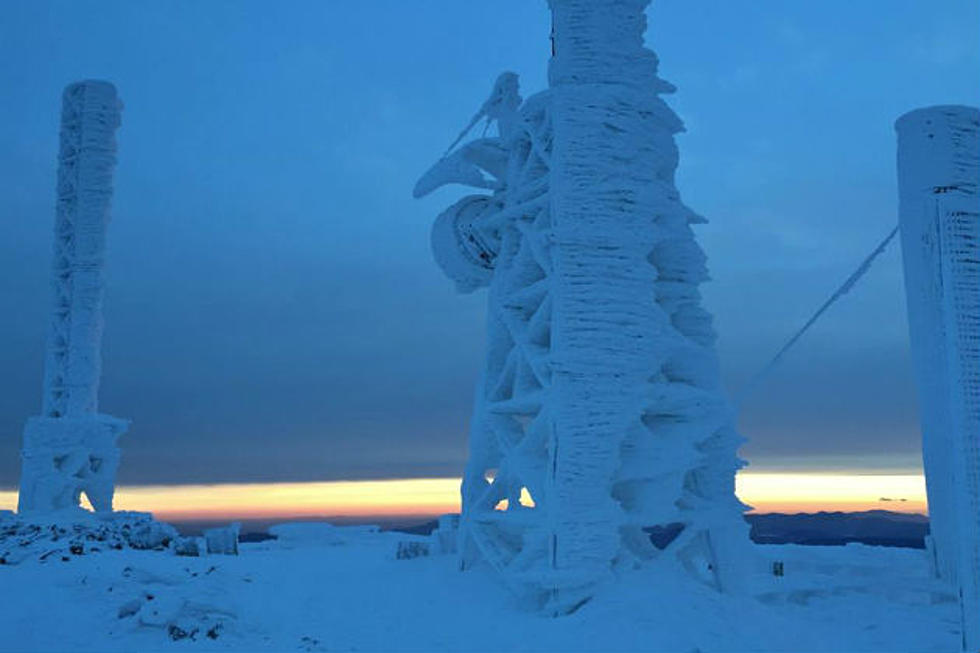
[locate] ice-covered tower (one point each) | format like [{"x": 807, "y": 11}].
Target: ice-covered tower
[
  {"x": 939, "y": 216},
  {"x": 599, "y": 414},
  {"x": 71, "y": 447}
]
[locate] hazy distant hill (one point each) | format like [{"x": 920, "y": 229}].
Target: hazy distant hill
[
  {"x": 879, "y": 527},
  {"x": 875, "y": 527}
]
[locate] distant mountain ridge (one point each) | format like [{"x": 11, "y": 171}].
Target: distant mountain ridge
[{"x": 873, "y": 527}]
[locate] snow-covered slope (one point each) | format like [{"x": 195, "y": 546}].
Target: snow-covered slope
[{"x": 334, "y": 589}]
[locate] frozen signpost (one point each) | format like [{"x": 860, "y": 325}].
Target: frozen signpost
[
  {"x": 599, "y": 415},
  {"x": 71, "y": 448},
  {"x": 938, "y": 175}
]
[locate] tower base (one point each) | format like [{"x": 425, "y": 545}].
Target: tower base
[{"x": 66, "y": 456}]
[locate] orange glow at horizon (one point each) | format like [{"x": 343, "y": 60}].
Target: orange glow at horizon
[
  {"x": 421, "y": 497},
  {"x": 817, "y": 491}
]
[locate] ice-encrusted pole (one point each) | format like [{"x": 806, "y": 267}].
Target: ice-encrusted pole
[
  {"x": 939, "y": 217},
  {"x": 599, "y": 415},
  {"x": 644, "y": 433},
  {"x": 71, "y": 448}
]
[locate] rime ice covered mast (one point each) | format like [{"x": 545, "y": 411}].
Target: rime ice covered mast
[
  {"x": 939, "y": 216},
  {"x": 71, "y": 447},
  {"x": 599, "y": 414}
]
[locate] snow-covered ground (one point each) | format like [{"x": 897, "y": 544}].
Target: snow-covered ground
[{"x": 343, "y": 589}]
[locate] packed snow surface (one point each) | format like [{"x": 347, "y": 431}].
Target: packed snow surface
[{"x": 323, "y": 588}]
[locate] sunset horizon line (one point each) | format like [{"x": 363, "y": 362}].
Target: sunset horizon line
[{"x": 410, "y": 498}]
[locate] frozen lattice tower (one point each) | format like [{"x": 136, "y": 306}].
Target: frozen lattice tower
[
  {"x": 599, "y": 414},
  {"x": 71, "y": 448},
  {"x": 938, "y": 174}
]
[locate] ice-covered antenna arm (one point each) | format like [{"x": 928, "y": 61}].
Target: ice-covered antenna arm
[
  {"x": 467, "y": 165},
  {"x": 501, "y": 106}
]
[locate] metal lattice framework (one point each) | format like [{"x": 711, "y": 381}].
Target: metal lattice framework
[
  {"x": 599, "y": 416},
  {"x": 87, "y": 157},
  {"x": 71, "y": 448},
  {"x": 513, "y": 430}
]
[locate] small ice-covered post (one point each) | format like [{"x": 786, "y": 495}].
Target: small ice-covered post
[
  {"x": 939, "y": 217},
  {"x": 599, "y": 416},
  {"x": 71, "y": 448}
]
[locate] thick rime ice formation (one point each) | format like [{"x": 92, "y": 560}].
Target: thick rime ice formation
[
  {"x": 599, "y": 412},
  {"x": 71, "y": 448},
  {"x": 939, "y": 170}
]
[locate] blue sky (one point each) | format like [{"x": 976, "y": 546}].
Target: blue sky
[{"x": 273, "y": 312}]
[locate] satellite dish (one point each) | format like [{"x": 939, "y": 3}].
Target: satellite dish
[{"x": 460, "y": 250}]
